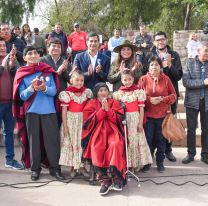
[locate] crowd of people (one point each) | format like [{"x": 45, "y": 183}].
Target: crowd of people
[{"x": 66, "y": 114}]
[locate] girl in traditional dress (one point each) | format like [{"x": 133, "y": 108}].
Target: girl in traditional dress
[
  {"x": 138, "y": 150},
  {"x": 73, "y": 100}
]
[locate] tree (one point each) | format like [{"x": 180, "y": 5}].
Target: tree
[
  {"x": 192, "y": 7},
  {"x": 12, "y": 11}
]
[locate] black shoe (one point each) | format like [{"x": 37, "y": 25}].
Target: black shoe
[
  {"x": 160, "y": 167},
  {"x": 57, "y": 175},
  {"x": 170, "y": 157},
  {"x": 187, "y": 159},
  {"x": 204, "y": 159},
  {"x": 117, "y": 185},
  {"x": 35, "y": 175},
  {"x": 146, "y": 168},
  {"x": 105, "y": 189}
]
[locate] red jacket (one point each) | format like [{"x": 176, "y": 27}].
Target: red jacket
[{"x": 154, "y": 88}]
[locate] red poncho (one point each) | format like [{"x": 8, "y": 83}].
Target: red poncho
[
  {"x": 103, "y": 136},
  {"x": 20, "y": 108}
]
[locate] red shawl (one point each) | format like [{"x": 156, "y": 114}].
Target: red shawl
[
  {"x": 75, "y": 90},
  {"x": 129, "y": 89},
  {"x": 103, "y": 137},
  {"x": 20, "y": 108}
]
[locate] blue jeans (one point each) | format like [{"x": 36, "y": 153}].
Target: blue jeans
[
  {"x": 6, "y": 118},
  {"x": 153, "y": 131}
]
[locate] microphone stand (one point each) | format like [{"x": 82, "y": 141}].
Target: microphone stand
[{"x": 129, "y": 174}]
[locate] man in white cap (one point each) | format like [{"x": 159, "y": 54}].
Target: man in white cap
[{"x": 77, "y": 41}]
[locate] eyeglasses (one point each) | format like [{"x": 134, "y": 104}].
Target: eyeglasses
[{"x": 157, "y": 40}]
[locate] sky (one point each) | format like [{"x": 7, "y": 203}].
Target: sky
[{"x": 36, "y": 20}]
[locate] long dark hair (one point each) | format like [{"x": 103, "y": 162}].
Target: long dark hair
[
  {"x": 23, "y": 31},
  {"x": 129, "y": 62}
]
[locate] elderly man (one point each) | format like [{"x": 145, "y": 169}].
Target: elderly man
[
  {"x": 93, "y": 64},
  {"x": 8, "y": 67},
  {"x": 195, "y": 79},
  {"x": 35, "y": 86},
  {"x": 77, "y": 41},
  {"x": 11, "y": 39}
]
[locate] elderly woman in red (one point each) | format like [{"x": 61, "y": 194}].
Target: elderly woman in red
[
  {"x": 102, "y": 139},
  {"x": 160, "y": 95}
]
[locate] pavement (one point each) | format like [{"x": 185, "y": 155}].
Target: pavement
[{"x": 80, "y": 193}]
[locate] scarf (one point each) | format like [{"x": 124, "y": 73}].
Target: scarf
[
  {"x": 129, "y": 89},
  {"x": 75, "y": 90}
]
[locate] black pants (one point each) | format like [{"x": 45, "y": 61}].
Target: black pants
[
  {"x": 155, "y": 139},
  {"x": 191, "y": 116},
  {"x": 45, "y": 125}
]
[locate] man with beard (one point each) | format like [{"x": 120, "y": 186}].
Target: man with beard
[
  {"x": 10, "y": 39},
  {"x": 171, "y": 67}
]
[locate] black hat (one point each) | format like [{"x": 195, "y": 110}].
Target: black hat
[
  {"x": 98, "y": 86},
  {"x": 125, "y": 43}
]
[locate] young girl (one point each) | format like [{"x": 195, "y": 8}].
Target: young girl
[
  {"x": 133, "y": 98},
  {"x": 73, "y": 100}
]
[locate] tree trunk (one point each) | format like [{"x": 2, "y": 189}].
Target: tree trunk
[
  {"x": 57, "y": 8},
  {"x": 188, "y": 16}
]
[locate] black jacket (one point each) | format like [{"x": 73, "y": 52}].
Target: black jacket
[
  {"x": 64, "y": 77},
  {"x": 19, "y": 44},
  {"x": 175, "y": 72}
]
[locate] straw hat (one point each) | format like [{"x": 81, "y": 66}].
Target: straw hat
[{"x": 125, "y": 43}]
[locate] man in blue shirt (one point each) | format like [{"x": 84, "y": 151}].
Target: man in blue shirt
[{"x": 37, "y": 84}]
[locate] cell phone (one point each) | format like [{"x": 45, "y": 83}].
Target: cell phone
[{"x": 68, "y": 58}]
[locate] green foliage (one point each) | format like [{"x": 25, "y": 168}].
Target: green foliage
[
  {"x": 12, "y": 11},
  {"x": 104, "y": 15},
  {"x": 69, "y": 11}
]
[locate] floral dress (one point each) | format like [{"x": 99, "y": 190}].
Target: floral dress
[
  {"x": 138, "y": 150},
  {"x": 71, "y": 150}
]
